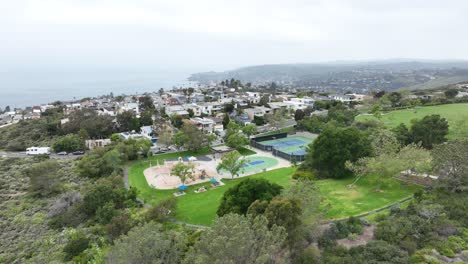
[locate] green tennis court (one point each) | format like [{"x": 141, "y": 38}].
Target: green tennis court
[
  {"x": 291, "y": 145},
  {"x": 256, "y": 164}
]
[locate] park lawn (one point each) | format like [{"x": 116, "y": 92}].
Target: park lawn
[
  {"x": 373, "y": 217},
  {"x": 245, "y": 151},
  {"x": 338, "y": 201},
  {"x": 456, "y": 114}
]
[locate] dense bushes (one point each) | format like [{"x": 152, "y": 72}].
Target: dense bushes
[
  {"x": 69, "y": 143},
  {"x": 239, "y": 197}
]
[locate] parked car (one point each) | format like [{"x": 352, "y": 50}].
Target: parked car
[
  {"x": 63, "y": 153},
  {"x": 78, "y": 152}
]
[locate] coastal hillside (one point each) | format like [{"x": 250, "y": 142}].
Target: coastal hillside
[{"x": 342, "y": 76}]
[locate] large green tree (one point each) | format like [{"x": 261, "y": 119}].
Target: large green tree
[
  {"x": 44, "y": 177},
  {"x": 128, "y": 121},
  {"x": 69, "y": 143},
  {"x": 330, "y": 151},
  {"x": 430, "y": 130},
  {"x": 148, "y": 244},
  {"x": 390, "y": 164},
  {"x": 232, "y": 162},
  {"x": 183, "y": 171},
  {"x": 239, "y": 197},
  {"x": 451, "y": 165},
  {"x": 240, "y": 239},
  {"x": 237, "y": 140}
]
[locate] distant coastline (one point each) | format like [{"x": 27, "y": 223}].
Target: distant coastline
[{"x": 21, "y": 88}]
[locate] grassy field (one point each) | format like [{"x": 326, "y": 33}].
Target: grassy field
[
  {"x": 339, "y": 201},
  {"x": 456, "y": 114},
  {"x": 245, "y": 151}
]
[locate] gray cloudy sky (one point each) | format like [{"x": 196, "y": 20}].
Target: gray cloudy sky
[{"x": 217, "y": 34}]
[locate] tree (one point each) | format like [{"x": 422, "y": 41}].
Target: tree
[
  {"x": 179, "y": 140},
  {"x": 44, "y": 177},
  {"x": 128, "y": 121},
  {"x": 146, "y": 118},
  {"x": 249, "y": 130},
  {"x": 451, "y": 93},
  {"x": 183, "y": 171},
  {"x": 228, "y": 108},
  {"x": 330, "y": 151},
  {"x": 277, "y": 119},
  {"x": 194, "y": 138},
  {"x": 286, "y": 212},
  {"x": 177, "y": 121},
  {"x": 402, "y": 134},
  {"x": 76, "y": 244},
  {"x": 239, "y": 197},
  {"x": 341, "y": 114},
  {"x": 69, "y": 143},
  {"x": 161, "y": 91},
  {"x": 394, "y": 98},
  {"x": 450, "y": 164},
  {"x": 377, "y": 111},
  {"x": 232, "y": 162},
  {"x": 119, "y": 225},
  {"x": 146, "y": 103},
  {"x": 96, "y": 126},
  {"x": 165, "y": 138},
  {"x": 190, "y": 112},
  {"x": 379, "y": 252},
  {"x": 308, "y": 193},
  {"x": 240, "y": 239},
  {"x": 390, "y": 164},
  {"x": 226, "y": 120},
  {"x": 431, "y": 130},
  {"x": 149, "y": 244},
  {"x": 161, "y": 211},
  {"x": 264, "y": 100},
  {"x": 259, "y": 120},
  {"x": 95, "y": 164},
  {"x": 299, "y": 115},
  {"x": 383, "y": 142},
  {"x": 237, "y": 140}
]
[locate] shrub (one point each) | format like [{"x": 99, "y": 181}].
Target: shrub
[
  {"x": 303, "y": 175},
  {"x": 75, "y": 245},
  {"x": 239, "y": 197},
  {"x": 69, "y": 143}
]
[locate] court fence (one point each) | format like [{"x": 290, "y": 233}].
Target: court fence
[{"x": 255, "y": 142}]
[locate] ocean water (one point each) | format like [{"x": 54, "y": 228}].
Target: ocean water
[{"x": 21, "y": 88}]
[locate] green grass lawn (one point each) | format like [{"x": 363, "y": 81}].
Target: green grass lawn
[
  {"x": 456, "y": 114},
  {"x": 245, "y": 151},
  {"x": 338, "y": 200}
]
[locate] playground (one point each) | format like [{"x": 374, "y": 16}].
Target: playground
[{"x": 159, "y": 176}]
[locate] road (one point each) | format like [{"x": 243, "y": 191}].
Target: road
[{"x": 23, "y": 155}]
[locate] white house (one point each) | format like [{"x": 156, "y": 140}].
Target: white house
[
  {"x": 259, "y": 111},
  {"x": 204, "y": 124},
  {"x": 341, "y": 97},
  {"x": 176, "y": 110},
  {"x": 211, "y": 108},
  {"x": 131, "y": 107}
]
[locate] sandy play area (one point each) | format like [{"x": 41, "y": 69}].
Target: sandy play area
[{"x": 160, "y": 176}]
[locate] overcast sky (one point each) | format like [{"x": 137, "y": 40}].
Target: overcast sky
[{"x": 217, "y": 34}]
